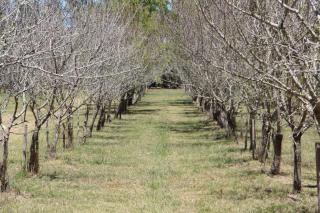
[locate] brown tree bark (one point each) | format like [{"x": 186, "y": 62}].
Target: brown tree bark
[
  {"x": 24, "y": 148},
  {"x": 47, "y": 135},
  {"x": 227, "y": 123},
  {"x": 297, "y": 162},
  {"x": 102, "y": 118},
  {"x": 85, "y": 124},
  {"x": 109, "y": 112},
  {"x": 52, "y": 147},
  {"x": 253, "y": 134},
  {"x": 33, "y": 164},
  {"x": 130, "y": 96},
  {"x": 52, "y": 150},
  {"x": 122, "y": 107},
  {"x": 266, "y": 131},
  {"x": 64, "y": 136},
  {"x": 277, "y": 148},
  {"x": 69, "y": 130},
  {"x": 4, "y": 159},
  {"x": 246, "y": 135},
  {"x": 78, "y": 127},
  {"x": 94, "y": 117},
  {"x": 203, "y": 105},
  {"x": 199, "y": 101}
]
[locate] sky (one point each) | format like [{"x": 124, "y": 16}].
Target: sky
[{"x": 169, "y": 5}]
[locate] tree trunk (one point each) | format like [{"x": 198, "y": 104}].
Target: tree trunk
[
  {"x": 219, "y": 116},
  {"x": 47, "y": 135},
  {"x": 69, "y": 130},
  {"x": 232, "y": 123},
  {"x": 24, "y": 148},
  {"x": 277, "y": 148},
  {"x": 126, "y": 106},
  {"x": 121, "y": 107},
  {"x": 226, "y": 120},
  {"x": 203, "y": 105},
  {"x": 4, "y": 159},
  {"x": 211, "y": 110},
  {"x": 34, "y": 153},
  {"x": 140, "y": 94},
  {"x": 109, "y": 112},
  {"x": 52, "y": 147},
  {"x": 216, "y": 112},
  {"x": 266, "y": 130},
  {"x": 241, "y": 129},
  {"x": 297, "y": 161},
  {"x": 226, "y": 123},
  {"x": 78, "y": 126},
  {"x": 199, "y": 101},
  {"x": 253, "y": 135},
  {"x": 130, "y": 96},
  {"x": 206, "y": 106},
  {"x": 102, "y": 118},
  {"x": 52, "y": 151},
  {"x": 94, "y": 117},
  {"x": 64, "y": 135},
  {"x": 85, "y": 125},
  {"x": 246, "y": 135}
]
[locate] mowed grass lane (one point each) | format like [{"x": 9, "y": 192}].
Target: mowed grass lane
[{"x": 164, "y": 156}]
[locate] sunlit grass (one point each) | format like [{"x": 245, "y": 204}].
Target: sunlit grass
[{"x": 164, "y": 156}]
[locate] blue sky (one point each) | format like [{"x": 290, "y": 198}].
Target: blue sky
[{"x": 169, "y": 5}]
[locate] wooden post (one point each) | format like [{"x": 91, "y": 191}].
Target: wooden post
[{"x": 318, "y": 172}]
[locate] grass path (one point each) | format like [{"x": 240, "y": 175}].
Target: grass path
[{"x": 164, "y": 156}]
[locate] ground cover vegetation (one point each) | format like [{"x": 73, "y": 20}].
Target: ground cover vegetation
[{"x": 252, "y": 66}]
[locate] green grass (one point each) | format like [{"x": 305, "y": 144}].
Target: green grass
[{"x": 164, "y": 156}]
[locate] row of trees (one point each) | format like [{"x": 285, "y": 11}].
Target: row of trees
[
  {"x": 257, "y": 57},
  {"x": 59, "y": 59},
  {"x": 260, "y": 58}
]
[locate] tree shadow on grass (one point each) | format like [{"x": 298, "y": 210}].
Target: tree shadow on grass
[
  {"x": 191, "y": 127},
  {"x": 221, "y": 162},
  {"x": 106, "y": 143},
  {"x": 191, "y": 114},
  {"x": 107, "y": 137},
  {"x": 251, "y": 172},
  {"x": 118, "y": 128},
  {"x": 181, "y": 102},
  {"x": 145, "y": 104},
  {"x": 143, "y": 111},
  {"x": 195, "y": 144},
  {"x": 229, "y": 149},
  {"x": 51, "y": 175}
]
